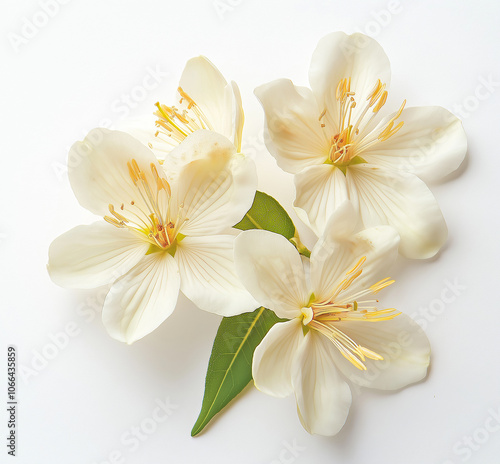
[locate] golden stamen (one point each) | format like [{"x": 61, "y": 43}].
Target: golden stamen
[
  {"x": 351, "y": 139},
  {"x": 375, "y": 288},
  {"x": 358, "y": 265},
  {"x": 381, "y": 102},
  {"x": 329, "y": 314}
]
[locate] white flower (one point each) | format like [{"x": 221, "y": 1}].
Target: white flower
[
  {"x": 339, "y": 146},
  {"x": 204, "y": 100},
  {"x": 335, "y": 332},
  {"x": 160, "y": 235}
]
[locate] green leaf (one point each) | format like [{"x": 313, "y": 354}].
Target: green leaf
[
  {"x": 230, "y": 365},
  {"x": 266, "y": 213}
]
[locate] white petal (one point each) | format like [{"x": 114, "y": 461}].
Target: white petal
[
  {"x": 143, "y": 128},
  {"x": 340, "y": 56},
  {"x": 431, "y": 143},
  {"x": 98, "y": 170},
  {"x": 93, "y": 255},
  {"x": 333, "y": 256},
  {"x": 244, "y": 174},
  {"x": 320, "y": 191},
  {"x": 323, "y": 398},
  {"x": 400, "y": 341},
  {"x": 271, "y": 269},
  {"x": 273, "y": 358},
  {"x": 219, "y": 101},
  {"x": 220, "y": 152},
  {"x": 238, "y": 117},
  {"x": 214, "y": 192},
  {"x": 208, "y": 275},
  {"x": 142, "y": 299},
  {"x": 342, "y": 223},
  {"x": 296, "y": 138},
  {"x": 206, "y": 86},
  {"x": 403, "y": 201},
  {"x": 201, "y": 144}
]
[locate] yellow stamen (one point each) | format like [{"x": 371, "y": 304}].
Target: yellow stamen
[
  {"x": 328, "y": 315},
  {"x": 175, "y": 125},
  {"x": 375, "y": 288},
  {"x": 116, "y": 214},
  {"x": 370, "y": 354},
  {"x": 151, "y": 217},
  {"x": 351, "y": 141},
  {"x": 113, "y": 221},
  {"x": 381, "y": 102},
  {"x": 358, "y": 265}
]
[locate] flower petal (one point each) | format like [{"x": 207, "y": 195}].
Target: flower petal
[
  {"x": 238, "y": 117},
  {"x": 340, "y": 56},
  {"x": 214, "y": 192},
  {"x": 323, "y": 398},
  {"x": 201, "y": 144},
  {"x": 296, "y": 138},
  {"x": 333, "y": 256},
  {"x": 273, "y": 358},
  {"x": 431, "y": 144},
  {"x": 400, "y": 341},
  {"x": 211, "y": 93},
  {"x": 403, "y": 201},
  {"x": 209, "y": 145},
  {"x": 320, "y": 191},
  {"x": 342, "y": 223},
  {"x": 98, "y": 170},
  {"x": 93, "y": 255},
  {"x": 210, "y": 97},
  {"x": 208, "y": 275},
  {"x": 142, "y": 299},
  {"x": 143, "y": 128},
  {"x": 271, "y": 269}
]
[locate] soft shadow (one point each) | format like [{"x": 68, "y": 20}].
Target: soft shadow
[
  {"x": 171, "y": 353},
  {"x": 181, "y": 342}
]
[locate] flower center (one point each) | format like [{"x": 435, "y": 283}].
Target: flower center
[
  {"x": 175, "y": 125},
  {"x": 353, "y": 137},
  {"x": 326, "y": 316},
  {"x": 149, "y": 216}
]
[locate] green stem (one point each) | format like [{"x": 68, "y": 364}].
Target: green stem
[{"x": 301, "y": 248}]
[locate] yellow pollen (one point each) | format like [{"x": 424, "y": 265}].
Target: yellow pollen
[
  {"x": 185, "y": 96},
  {"x": 353, "y": 137},
  {"x": 370, "y": 354},
  {"x": 357, "y": 266},
  {"x": 174, "y": 124},
  {"x": 375, "y": 288},
  {"x": 116, "y": 214},
  {"x": 113, "y": 221},
  {"x": 375, "y": 93},
  {"x": 149, "y": 216},
  {"x": 381, "y": 102},
  {"x": 327, "y": 315}
]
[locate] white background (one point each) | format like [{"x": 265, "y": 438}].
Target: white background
[{"x": 75, "y": 72}]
